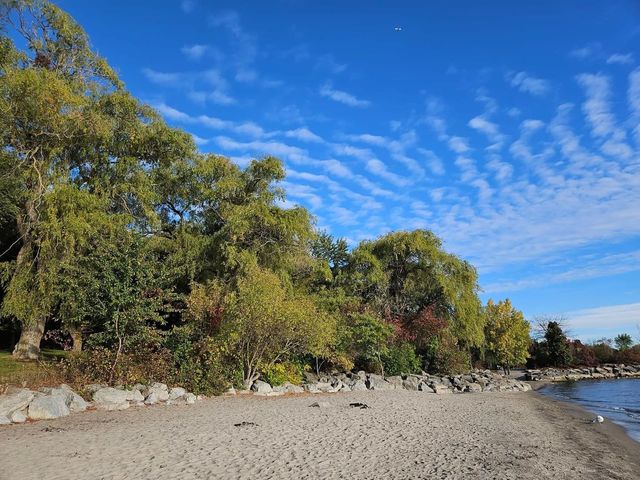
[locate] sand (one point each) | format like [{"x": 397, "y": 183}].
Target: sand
[{"x": 403, "y": 435}]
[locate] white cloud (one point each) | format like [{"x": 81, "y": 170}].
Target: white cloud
[
  {"x": 458, "y": 144},
  {"x": 633, "y": 98},
  {"x": 342, "y": 97},
  {"x": 526, "y": 83},
  {"x": 621, "y": 59},
  {"x": 598, "y": 112},
  {"x": 614, "y": 318},
  {"x": 195, "y": 52},
  {"x": 488, "y": 128},
  {"x": 303, "y": 134},
  {"x": 162, "y": 78}
]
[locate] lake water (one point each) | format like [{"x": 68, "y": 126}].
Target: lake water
[{"x": 617, "y": 400}]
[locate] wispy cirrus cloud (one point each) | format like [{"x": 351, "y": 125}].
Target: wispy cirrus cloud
[
  {"x": 200, "y": 87},
  {"x": 343, "y": 97},
  {"x": 528, "y": 83},
  {"x": 620, "y": 59},
  {"x": 196, "y": 51}
]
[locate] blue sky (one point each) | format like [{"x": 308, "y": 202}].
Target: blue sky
[{"x": 511, "y": 129}]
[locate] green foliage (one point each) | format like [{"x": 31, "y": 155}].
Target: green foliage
[
  {"x": 370, "y": 338},
  {"x": 445, "y": 357},
  {"x": 104, "y": 365},
  {"x": 203, "y": 365},
  {"x": 265, "y": 322},
  {"x": 403, "y": 273},
  {"x": 506, "y": 334},
  {"x": 282, "y": 372},
  {"x": 401, "y": 359},
  {"x": 623, "y": 341},
  {"x": 554, "y": 347}
]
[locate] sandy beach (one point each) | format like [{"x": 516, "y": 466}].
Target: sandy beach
[{"x": 402, "y": 435}]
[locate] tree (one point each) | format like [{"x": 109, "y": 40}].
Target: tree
[
  {"x": 371, "y": 338},
  {"x": 403, "y": 273},
  {"x": 623, "y": 341},
  {"x": 67, "y": 127},
  {"x": 555, "y": 345},
  {"x": 264, "y": 322},
  {"x": 507, "y": 334}
]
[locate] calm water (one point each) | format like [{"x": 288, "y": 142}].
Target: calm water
[{"x": 616, "y": 400}]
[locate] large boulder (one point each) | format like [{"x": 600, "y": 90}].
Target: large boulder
[
  {"x": 4, "y": 420},
  {"x": 177, "y": 393},
  {"x": 159, "y": 391},
  {"x": 377, "y": 382},
  {"x": 396, "y": 381},
  {"x": 411, "y": 383},
  {"x": 288, "y": 388},
  {"x": 261, "y": 388},
  {"x": 74, "y": 402},
  {"x": 440, "y": 389},
  {"x": 47, "y": 407},
  {"x": 15, "y": 402},
  {"x": 115, "y": 399},
  {"x": 18, "y": 417},
  {"x": 358, "y": 385}
]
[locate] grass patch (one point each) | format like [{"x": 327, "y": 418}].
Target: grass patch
[{"x": 46, "y": 371}]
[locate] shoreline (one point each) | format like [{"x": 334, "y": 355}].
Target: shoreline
[
  {"x": 403, "y": 434},
  {"x": 609, "y": 432}
]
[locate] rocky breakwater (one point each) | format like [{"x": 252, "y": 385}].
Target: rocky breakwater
[
  {"x": 20, "y": 405},
  {"x": 474, "y": 382},
  {"x": 586, "y": 373}
]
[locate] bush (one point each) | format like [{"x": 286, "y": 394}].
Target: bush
[
  {"x": 445, "y": 357},
  {"x": 98, "y": 365},
  {"x": 279, "y": 373},
  {"x": 401, "y": 360},
  {"x": 202, "y": 366}
]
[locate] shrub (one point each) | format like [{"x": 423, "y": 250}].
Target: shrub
[
  {"x": 279, "y": 373},
  {"x": 145, "y": 365},
  {"x": 445, "y": 357},
  {"x": 202, "y": 366},
  {"x": 401, "y": 359}
]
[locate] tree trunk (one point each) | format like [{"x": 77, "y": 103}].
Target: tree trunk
[
  {"x": 76, "y": 336},
  {"x": 28, "y": 347}
]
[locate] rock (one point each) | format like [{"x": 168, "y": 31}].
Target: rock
[
  {"x": 231, "y": 391},
  {"x": 18, "y": 417},
  {"x": 114, "y": 399},
  {"x": 160, "y": 390},
  {"x": 288, "y": 388},
  {"x": 311, "y": 387},
  {"x": 151, "y": 399},
  {"x": 177, "y": 392},
  {"x": 358, "y": 386},
  {"x": 261, "y": 387},
  {"x": 190, "y": 398},
  {"x": 14, "y": 402},
  {"x": 320, "y": 405},
  {"x": 411, "y": 383},
  {"x": 74, "y": 402},
  {"x": 47, "y": 407},
  {"x": 473, "y": 388},
  {"x": 396, "y": 381},
  {"x": 324, "y": 387},
  {"x": 4, "y": 420},
  {"x": 140, "y": 387},
  {"x": 439, "y": 389},
  {"x": 376, "y": 382}
]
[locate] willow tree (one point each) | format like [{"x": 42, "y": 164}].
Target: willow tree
[
  {"x": 405, "y": 273},
  {"x": 77, "y": 148}
]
